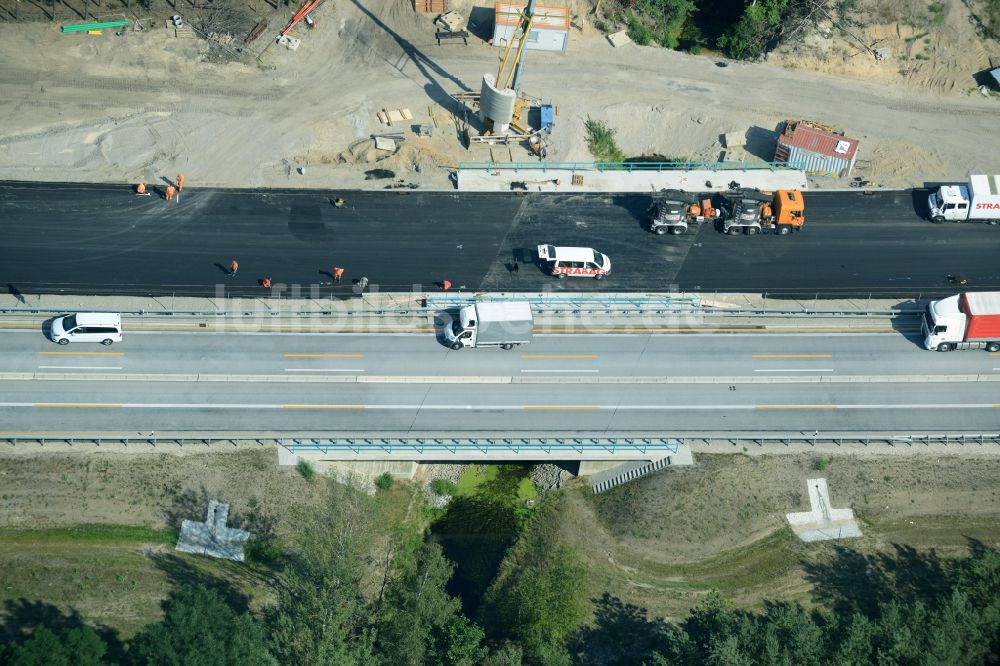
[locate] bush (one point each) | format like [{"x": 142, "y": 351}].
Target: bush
[
  {"x": 638, "y": 32},
  {"x": 385, "y": 481},
  {"x": 821, "y": 464},
  {"x": 443, "y": 487},
  {"x": 601, "y": 142},
  {"x": 306, "y": 469}
]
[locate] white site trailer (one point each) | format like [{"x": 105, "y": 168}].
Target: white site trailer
[{"x": 978, "y": 201}]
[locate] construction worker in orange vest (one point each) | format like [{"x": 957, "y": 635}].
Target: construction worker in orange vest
[
  {"x": 266, "y": 283},
  {"x": 337, "y": 273},
  {"x": 445, "y": 285},
  {"x": 140, "y": 190},
  {"x": 233, "y": 267},
  {"x": 180, "y": 182},
  {"x": 170, "y": 192}
]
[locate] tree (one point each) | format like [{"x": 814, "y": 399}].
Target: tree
[
  {"x": 748, "y": 39},
  {"x": 322, "y": 616},
  {"x": 538, "y": 597},
  {"x": 419, "y": 622},
  {"x": 200, "y": 629},
  {"x": 80, "y": 646}
]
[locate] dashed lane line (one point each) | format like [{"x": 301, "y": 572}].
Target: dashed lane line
[{"x": 791, "y": 355}]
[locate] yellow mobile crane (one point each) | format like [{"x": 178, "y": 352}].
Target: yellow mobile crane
[{"x": 497, "y": 95}]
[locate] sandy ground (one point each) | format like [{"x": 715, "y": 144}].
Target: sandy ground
[{"x": 147, "y": 105}]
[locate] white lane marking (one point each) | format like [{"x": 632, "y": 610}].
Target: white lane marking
[
  {"x": 830, "y": 406},
  {"x": 324, "y": 370},
  {"x": 79, "y": 367},
  {"x": 795, "y": 370},
  {"x": 560, "y": 371}
]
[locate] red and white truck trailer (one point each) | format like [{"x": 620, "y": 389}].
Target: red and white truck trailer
[
  {"x": 966, "y": 321},
  {"x": 979, "y": 201}
]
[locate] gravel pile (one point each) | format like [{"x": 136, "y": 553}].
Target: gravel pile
[
  {"x": 447, "y": 472},
  {"x": 547, "y": 477}
]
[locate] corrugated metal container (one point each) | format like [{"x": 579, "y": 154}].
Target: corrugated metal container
[
  {"x": 549, "y": 29},
  {"x": 816, "y": 151},
  {"x": 431, "y": 6}
]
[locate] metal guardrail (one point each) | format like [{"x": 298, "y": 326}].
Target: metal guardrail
[
  {"x": 483, "y": 445},
  {"x": 525, "y": 445},
  {"x": 542, "y": 304},
  {"x": 557, "y": 304},
  {"x": 628, "y": 166}
]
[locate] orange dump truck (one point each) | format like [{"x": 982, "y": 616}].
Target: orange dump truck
[{"x": 750, "y": 212}]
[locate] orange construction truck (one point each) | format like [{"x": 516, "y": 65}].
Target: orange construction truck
[{"x": 750, "y": 212}]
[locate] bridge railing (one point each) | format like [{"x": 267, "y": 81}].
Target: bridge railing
[
  {"x": 456, "y": 446},
  {"x": 706, "y": 165}
]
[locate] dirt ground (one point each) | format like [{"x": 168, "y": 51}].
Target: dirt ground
[{"x": 146, "y": 105}]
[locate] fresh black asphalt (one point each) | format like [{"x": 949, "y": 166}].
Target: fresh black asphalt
[{"x": 102, "y": 239}]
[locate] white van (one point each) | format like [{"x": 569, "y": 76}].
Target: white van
[
  {"x": 563, "y": 261},
  {"x": 103, "y": 327}
]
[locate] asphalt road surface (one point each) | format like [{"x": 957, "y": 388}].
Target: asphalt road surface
[
  {"x": 410, "y": 383},
  {"x": 101, "y": 239}
]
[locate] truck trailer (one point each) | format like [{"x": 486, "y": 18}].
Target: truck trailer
[
  {"x": 978, "y": 201},
  {"x": 966, "y": 321},
  {"x": 504, "y": 324},
  {"x": 750, "y": 212}
]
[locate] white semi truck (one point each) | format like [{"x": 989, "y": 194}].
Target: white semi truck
[
  {"x": 978, "y": 201},
  {"x": 503, "y": 324},
  {"x": 966, "y": 321}
]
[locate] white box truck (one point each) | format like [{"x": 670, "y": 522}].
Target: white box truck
[
  {"x": 979, "y": 201},
  {"x": 965, "y": 321},
  {"x": 504, "y": 324}
]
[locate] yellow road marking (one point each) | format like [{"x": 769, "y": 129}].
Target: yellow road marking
[
  {"x": 561, "y": 408},
  {"x": 558, "y": 355},
  {"x": 330, "y": 407},
  {"x": 792, "y": 355},
  {"x": 778, "y": 407},
  {"x": 994, "y": 353},
  {"x": 324, "y": 355},
  {"x": 74, "y": 353},
  {"x": 70, "y": 405}
]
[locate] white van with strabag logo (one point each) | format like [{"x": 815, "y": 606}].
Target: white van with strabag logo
[
  {"x": 103, "y": 327},
  {"x": 585, "y": 261}
]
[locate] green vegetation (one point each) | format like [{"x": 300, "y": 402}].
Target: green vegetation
[
  {"x": 306, "y": 469},
  {"x": 89, "y": 533},
  {"x": 444, "y": 487},
  {"x": 495, "y": 582},
  {"x": 992, "y": 17},
  {"x": 601, "y": 142},
  {"x": 749, "y": 38},
  {"x": 820, "y": 464},
  {"x": 385, "y": 481},
  {"x": 538, "y": 598},
  {"x": 199, "y": 627},
  {"x": 80, "y": 646}
]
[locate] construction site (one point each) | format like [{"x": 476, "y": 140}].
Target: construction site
[{"x": 401, "y": 95}]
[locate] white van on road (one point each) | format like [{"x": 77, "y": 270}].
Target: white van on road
[
  {"x": 585, "y": 261},
  {"x": 103, "y": 327}
]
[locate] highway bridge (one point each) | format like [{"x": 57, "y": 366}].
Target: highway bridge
[
  {"x": 102, "y": 239},
  {"x": 560, "y": 384}
]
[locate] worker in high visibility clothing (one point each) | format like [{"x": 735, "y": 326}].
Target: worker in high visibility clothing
[
  {"x": 445, "y": 285},
  {"x": 266, "y": 283},
  {"x": 180, "y": 182},
  {"x": 170, "y": 192},
  {"x": 338, "y": 273},
  {"x": 140, "y": 190}
]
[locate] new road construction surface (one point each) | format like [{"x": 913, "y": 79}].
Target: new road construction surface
[
  {"x": 102, "y": 239},
  {"x": 560, "y": 383}
]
